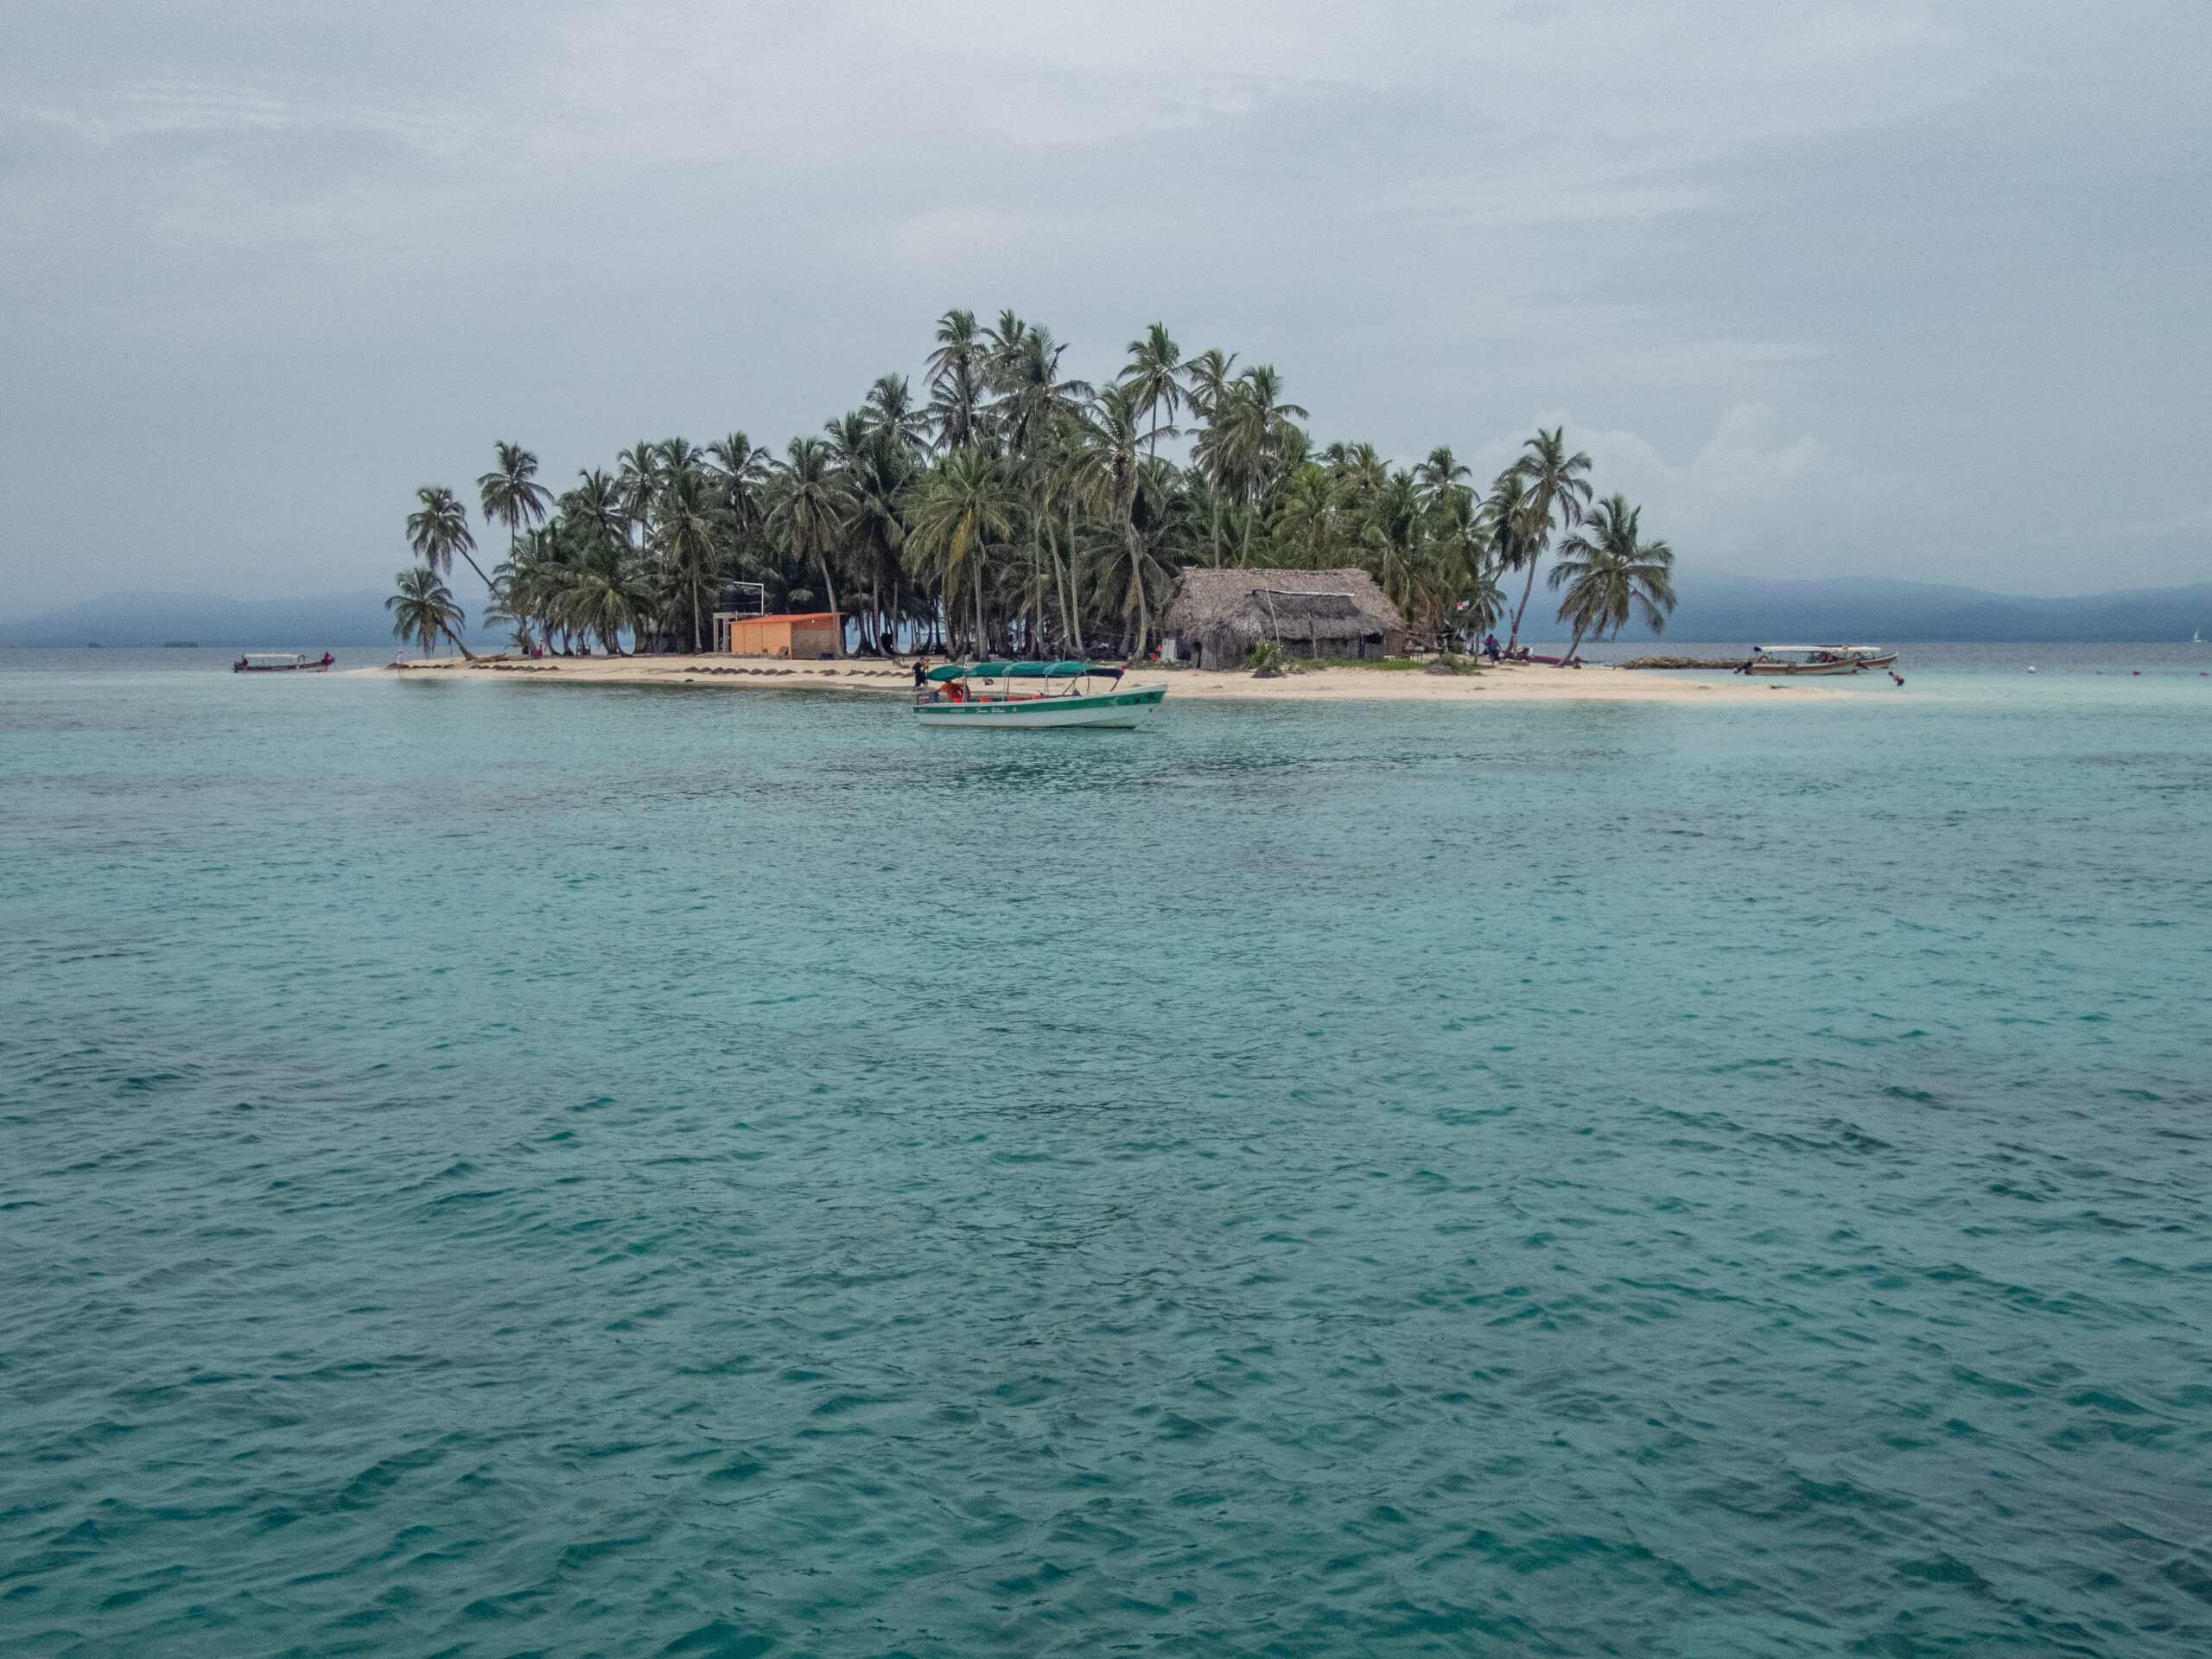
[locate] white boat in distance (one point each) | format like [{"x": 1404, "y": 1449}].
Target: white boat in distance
[
  {"x": 1029, "y": 696},
  {"x": 1817, "y": 659},
  {"x": 281, "y": 662}
]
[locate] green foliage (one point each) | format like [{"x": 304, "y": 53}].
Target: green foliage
[
  {"x": 1015, "y": 510},
  {"x": 1611, "y": 573},
  {"x": 424, "y": 609}
]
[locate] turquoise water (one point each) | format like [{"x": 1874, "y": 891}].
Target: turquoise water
[{"x": 503, "y": 1168}]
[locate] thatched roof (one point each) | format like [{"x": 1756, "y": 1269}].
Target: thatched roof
[{"x": 1255, "y": 604}]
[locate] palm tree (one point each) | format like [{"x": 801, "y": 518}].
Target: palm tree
[
  {"x": 597, "y": 501},
  {"x": 528, "y": 580},
  {"x": 808, "y": 513},
  {"x": 424, "y": 609},
  {"x": 1360, "y": 472},
  {"x": 439, "y": 529},
  {"x": 739, "y": 469},
  {"x": 1252, "y": 442},
  {"x": 1610, "y": 574},
  {"x": 1396, "y": 540},
  {"x": 690, "y": 541},
  {"x": 1440, "y": 473},
  {"x": 1207, "y": 378},
  {"x": 957, "y": 380},
  {"x": 1112, "y": 470},
  {"x": 1151, "y": 377},
  {"x": 965, "y": 503},
  {"x": 1469, "y": 598},
  {"x": 1556, "y": 488},
  {"x": 638, "y": 479},
  {"x": 605, "y": 594},
  {"x": 1308, "y": 528},
  {"x": 876, "y": 485},
  {"x": 891, "y": 410},
  {"x": 510, "y": 494}
]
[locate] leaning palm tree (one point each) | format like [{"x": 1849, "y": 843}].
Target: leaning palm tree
[
  {"x": 439, "y": 529},
  {"x": 424, "y": 609},
  {"x": 1557, "y": 489},
  {"x": 1610, "y": 574},
  {"x": 1151, "y": 377},
  {"x": 510, "y": 494}
]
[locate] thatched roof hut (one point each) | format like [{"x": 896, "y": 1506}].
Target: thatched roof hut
[{"x": 1217, "y": 616}]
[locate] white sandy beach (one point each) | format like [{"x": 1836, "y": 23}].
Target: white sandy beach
[{"x": 1513, "y": 683}]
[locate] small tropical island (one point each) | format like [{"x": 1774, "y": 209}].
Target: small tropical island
[{"x": 1018, "y": 512}]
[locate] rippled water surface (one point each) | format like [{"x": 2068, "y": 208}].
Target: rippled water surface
[{"x": 501, "y": 1168}]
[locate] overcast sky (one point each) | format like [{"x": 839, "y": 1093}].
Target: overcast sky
[{"x": 1833, "y": 289}]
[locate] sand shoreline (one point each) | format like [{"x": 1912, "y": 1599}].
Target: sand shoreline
[{"x": 1514, "y": 683}]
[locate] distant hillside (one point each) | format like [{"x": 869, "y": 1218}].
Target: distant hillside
[
  {"x": 1720, "y": 605},
  {"x": 129, "y": 620}
]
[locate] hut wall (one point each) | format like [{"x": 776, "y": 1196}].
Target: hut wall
[{"x": 803, "y": 638}]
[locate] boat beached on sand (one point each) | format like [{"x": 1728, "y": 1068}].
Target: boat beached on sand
[
  {"x": 1026, "y": 696},
  {"x": 1817, "y": 659}
]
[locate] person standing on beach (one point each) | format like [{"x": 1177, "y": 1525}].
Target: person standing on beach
[{"x": 921, "y": 671}]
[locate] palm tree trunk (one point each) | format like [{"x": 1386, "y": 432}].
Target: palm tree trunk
[
  {"x": 1513, "y": 634},
  {"x": 1136, "y": 576},
  {"x": 1070, "y": 604},
  {"x": 479, "y": 569},
  {"x": 830, "y": 587}
]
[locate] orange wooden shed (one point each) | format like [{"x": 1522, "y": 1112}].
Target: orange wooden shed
[{"x": 810, "y": 637}]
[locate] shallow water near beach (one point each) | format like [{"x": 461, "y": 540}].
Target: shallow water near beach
[{"x": 497, "y": 1168}]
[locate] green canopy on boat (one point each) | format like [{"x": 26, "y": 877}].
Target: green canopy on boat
[{"x": 1016, "y": 671}]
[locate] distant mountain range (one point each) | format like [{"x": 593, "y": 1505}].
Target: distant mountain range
[
  {"x": 1716, "y": 605},
  {"x": 1719, "y": 604}
]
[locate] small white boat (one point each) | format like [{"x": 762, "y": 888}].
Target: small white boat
[
  {"x": 1029, "y": 696},
  {"x": 1817, "y": 659},
  {"x": 281, "y": 662}
]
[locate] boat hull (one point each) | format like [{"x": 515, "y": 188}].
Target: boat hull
[
  {"x": 1794, "y": 670},
  {"x": 1111, "y": 711},
  {"x": 1843, "y": 666}
]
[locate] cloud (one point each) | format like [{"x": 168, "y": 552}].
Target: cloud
[
  {"x": 251, "y": 237},
  {"x": 1752, "y": 497}
]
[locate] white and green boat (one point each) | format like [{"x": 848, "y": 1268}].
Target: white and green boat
[{"x": 1026, "y": 696}]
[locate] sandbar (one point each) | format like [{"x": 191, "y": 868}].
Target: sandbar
[{"x": 1514, "y": 683}]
